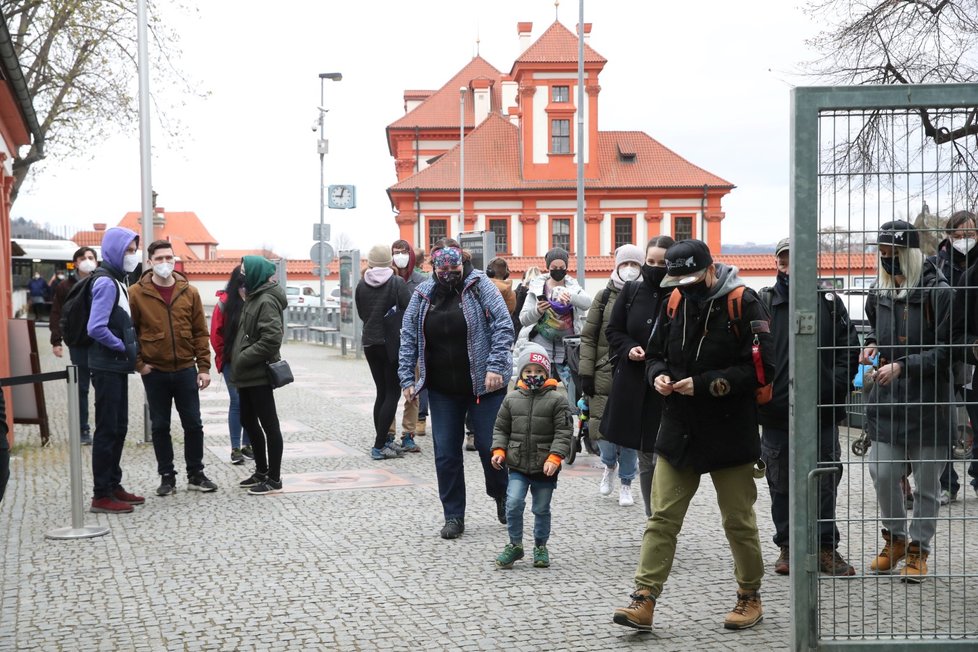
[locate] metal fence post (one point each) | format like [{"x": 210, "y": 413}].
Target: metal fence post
[{"x": 78, "y": 529}]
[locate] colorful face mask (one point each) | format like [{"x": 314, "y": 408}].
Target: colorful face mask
[
  {"x": 448, "y": 276},
  {"x": 533, "y": 380}
]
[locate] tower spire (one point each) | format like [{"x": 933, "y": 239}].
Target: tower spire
[{"x": 556, "y": 9}]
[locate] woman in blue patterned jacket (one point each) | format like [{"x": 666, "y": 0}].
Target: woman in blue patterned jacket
[{"x": 458, "y": 330}]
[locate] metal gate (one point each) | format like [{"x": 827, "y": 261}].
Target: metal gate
[{"x": 861, "y": 157}]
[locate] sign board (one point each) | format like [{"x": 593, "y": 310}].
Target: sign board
[
  {"x": 320, "y": 232},
  {"x": 349, "y": 277},
  {"x": 322, "y": 253},
  {"x": 280, "y": 271},
  {"x": 481, "y": 245}
]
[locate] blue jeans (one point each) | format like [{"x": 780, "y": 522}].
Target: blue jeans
[
  {"x": 163, "y": 390},
  {"x": 542, "y": 489},
  {"x": 564, "y": 373},
  {"x": 238, "y": 434},
  {"x": 625, "y": 458},
  {"x": 79, "y": 358},
  {"x": 111, "y": 426},
  {"x": 448, "y": 434}
]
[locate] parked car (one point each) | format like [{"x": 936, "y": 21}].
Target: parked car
[
  {"x": 301, "y": 295},
  {"x": 333, "y": 298}
]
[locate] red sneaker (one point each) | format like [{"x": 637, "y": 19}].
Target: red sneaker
[
  {"x": 124, "y": 496},
  {"x": 109, "y": 505}
]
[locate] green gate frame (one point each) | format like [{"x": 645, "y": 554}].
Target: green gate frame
[{"x": 807, "y": 103}]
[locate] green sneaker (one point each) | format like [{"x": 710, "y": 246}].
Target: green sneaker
[
  {"x": 510, "y": 555},
  {"x": 541, "y": 558}
]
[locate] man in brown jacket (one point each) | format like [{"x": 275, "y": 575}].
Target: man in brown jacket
[
  {"x": 174, "y": 361},
  {"x": 498, "y": 271}
]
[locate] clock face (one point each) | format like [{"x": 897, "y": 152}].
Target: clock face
[{"x": 341, "y": 196}]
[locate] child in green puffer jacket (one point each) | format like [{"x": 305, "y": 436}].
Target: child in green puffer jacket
[{"x": 532, "y": 436}]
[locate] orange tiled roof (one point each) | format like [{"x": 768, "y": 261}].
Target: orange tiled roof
[
  {"x": 492, "y": 163},
  {"x": 183, "y": 225},
  {"x": 558, "y": 45},
  {"x": 88, "y": 238},
  {"x": 440, "y": 110}
]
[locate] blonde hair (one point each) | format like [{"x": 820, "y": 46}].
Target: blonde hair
[{"x": 912, "y": 266}]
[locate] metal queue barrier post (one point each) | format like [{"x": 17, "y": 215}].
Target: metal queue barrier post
[{"x": 78, "y": 529}]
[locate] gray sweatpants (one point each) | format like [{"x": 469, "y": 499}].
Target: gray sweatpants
[{"x": 887, "y": 464}]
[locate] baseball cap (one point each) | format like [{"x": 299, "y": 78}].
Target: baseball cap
[
  {"x": 686, "y": 263},
  {"x": 898, "y": 233},
  {"x": 784, "y": 244}
]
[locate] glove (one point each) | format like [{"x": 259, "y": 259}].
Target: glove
[{"x": 587, "y": 385}]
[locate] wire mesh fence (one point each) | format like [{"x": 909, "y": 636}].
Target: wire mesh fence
[{"x": 897, "y": 274}]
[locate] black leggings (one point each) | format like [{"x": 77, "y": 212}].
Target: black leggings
[
  {"x": 384, "y": 372},
  {"x": 258, "y": 405}
]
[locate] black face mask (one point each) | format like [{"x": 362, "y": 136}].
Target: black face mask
[
  {"x": 653, "y": 275},
  {"x": 450, "y": 279},
  {"x": 694, "y": 291},
  {"x": 783, "y": 280},
  {"x": 891, "y": 265},
  {"x": 558, "y": 274}
]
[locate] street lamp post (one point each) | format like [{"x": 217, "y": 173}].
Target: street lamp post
[
  {"x": 323, "y": 76},
  {"x": 461, "y": 159}
]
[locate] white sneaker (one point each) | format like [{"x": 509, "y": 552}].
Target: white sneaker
[
  {"x": 625, "y": 496},
  {"x": 607, "y": 479},
  {"x": 945, "y": 497}
]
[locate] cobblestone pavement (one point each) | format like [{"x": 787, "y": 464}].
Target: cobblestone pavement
[{"x": 350, "y": 558}]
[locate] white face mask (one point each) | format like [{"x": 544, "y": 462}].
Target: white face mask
[
  {"x": 163, "y": 270},
  {"x": 87, "y": 266},
  {"x": 401, "y": 260},
  {"x": 964, "y": 245},
  {"x": 629, "y": 273},
  {"x": 131, "y": 261}
]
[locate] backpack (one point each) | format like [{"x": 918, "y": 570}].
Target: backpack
[
  {"x": 735, "y": 302},
  {"x": 77, "y": 308}
]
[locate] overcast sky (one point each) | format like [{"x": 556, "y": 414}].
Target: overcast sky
[{"x": 708, "y": 79}]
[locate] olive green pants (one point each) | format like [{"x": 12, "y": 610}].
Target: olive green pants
[{"x": 672, "y": 491}]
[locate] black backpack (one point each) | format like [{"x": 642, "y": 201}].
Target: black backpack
[{"x": 76, "y": 309}]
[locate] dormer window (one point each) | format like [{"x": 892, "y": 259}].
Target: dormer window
[
  {"x": 560, "y": 136},
  {"x": 560, "y": 94}
]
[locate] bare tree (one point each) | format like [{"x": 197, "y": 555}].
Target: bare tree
[
  {"x": 839, "y": 239},
  {"x": 343, "y": 241},
  {"x": 899, "y": 42},
  {"x": 79, "y": 60}
]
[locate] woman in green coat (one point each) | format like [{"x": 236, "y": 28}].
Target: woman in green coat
[
  {"x": 597, "y": 369},
  {"x": 257, "y": 343}
]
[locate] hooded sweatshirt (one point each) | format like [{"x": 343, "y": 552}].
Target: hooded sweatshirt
[{"x": 109, "y": 322}]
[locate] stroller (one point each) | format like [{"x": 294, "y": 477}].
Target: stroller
[{"x": 582, "y": 439}]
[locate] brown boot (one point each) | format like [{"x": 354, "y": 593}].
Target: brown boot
[
  {"x": 639, "y": 613},
  {"x": 747, "y": 613},
  {"x": 783, "y": 565},
  {"x": 915, "y": 569},
  {"x": 893, "y": 551}
]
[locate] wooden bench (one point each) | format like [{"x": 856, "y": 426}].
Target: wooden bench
[
  {"x": 322, "y": 331},
  {"x": 297, "y": 330}
]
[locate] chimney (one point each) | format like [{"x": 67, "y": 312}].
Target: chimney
[
  {"x": 481, "y": 99},
  {"x": 524, "y": 30},
  {"x": 508, "y": 94},
  {"x": 99, "y": 226},
  {"x": 159, "y": 217},
  {"x": 587, "y": 32}
]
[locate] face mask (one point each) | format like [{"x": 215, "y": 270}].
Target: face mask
[
  {"x": 87, "y": 266},
  {"x": 401, "y": 260},
  {"x": 131, "y": 262},
  {"x": 558, "y": 274},
  {"x": 891, "y": 265},
  {"x": 163, "y": 270},
  {"x": 629, "y": 273},
  {"x": 653, "y": 275},
  {"x": 61, "y": 277},
  {"x": 448, "y": 277},
  {"x": 533, "y": 381},
  {"x": 964, "y": 245},
  {"x": 694, "y": 291},
  {"x": 783, "y": 279}
]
